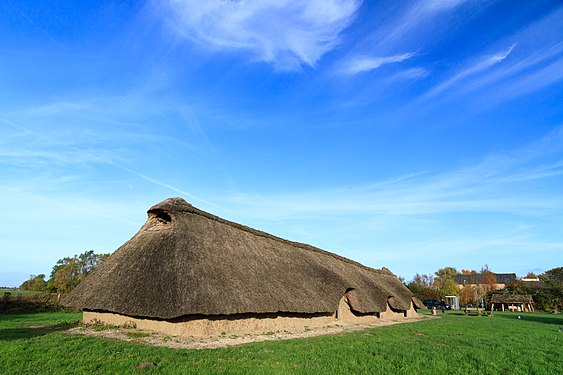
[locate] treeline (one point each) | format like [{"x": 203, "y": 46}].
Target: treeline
[
  {"x": 66, "y": 274},
  {"x": 546, "y": 293},
  {"x": 442, "y": 283}
]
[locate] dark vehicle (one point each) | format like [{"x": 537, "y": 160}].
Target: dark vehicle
[{"x": 431, "y": 303}]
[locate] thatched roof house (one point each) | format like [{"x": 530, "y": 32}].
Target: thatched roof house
[{"x": 185, "y": 265}]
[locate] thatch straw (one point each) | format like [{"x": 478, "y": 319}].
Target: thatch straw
[
  {"x": 185, "y": 261},
  {"x": 511, "y": 298}
]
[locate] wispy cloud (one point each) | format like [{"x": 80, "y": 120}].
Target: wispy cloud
[
  {"x": 51, "y": 138},
  {"x": 412, "y": 73},
  {"x": 360, "y": 64},
  {"x": 530, "y": 83},
  {"x": 184, "y": 194},
  {"x": 420, "y": 13},
  {"x": 35, "y": 25},
  {"x": 532, "y": 62},
  {"x": 499, "y": 205},
  {"x": 488, "y": 186},
  {"x": 535, "y": 58},
  {"x": 286, "y": 33},
  {"x": 482, "y": 64},
  {"x": 25, "y": 146}
]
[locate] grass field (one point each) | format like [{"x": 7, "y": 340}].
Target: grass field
[
  {"x": 16, "y": 291},
  {"x": 452, "y": 344}
]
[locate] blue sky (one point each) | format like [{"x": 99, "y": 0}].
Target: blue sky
[{"x": 412, "y": 135}]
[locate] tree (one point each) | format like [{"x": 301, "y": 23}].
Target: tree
[
  {"x": 445, "y": 281},
  {"x": 487, "y": 285},
  {"x": 468, "y": 295},
  {"x": 446, "y": 273},
  {"x": 70, "y": 271},
  {"x": 467, "y": 272},
  {"x": 553, "y": 291},
  {"x": 435, "y": 287},
  {"x": 424, "y": 287},
  {"x": 553, "y": 275},
  {"x": 35, "y": 283},
  {"x": 489, "y": 279},
  {"x": 448, "y": 287},
  {"x": 40, "y": 285}
]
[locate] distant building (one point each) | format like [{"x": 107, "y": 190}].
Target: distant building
[
  {"x": 473, "y": 279},
  {"x": 532, "y": 282}
]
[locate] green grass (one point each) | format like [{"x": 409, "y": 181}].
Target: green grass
[
  {"x": 453, "y": 344},
  {"x": 16, "y": 292}
]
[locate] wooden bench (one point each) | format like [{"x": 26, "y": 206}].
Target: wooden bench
[{"x": 470, "y": 310}]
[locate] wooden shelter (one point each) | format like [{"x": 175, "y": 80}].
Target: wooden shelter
[
  {"x": 189, "y": 272},
  {"x": 512, "y": 302}
]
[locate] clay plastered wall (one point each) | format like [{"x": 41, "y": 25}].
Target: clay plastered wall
[
  {"x": 208, "y": 327},
  {"x": 247, "y": 325}
]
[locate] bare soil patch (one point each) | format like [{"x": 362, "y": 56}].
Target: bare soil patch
[{"x": 189, "y": 342}]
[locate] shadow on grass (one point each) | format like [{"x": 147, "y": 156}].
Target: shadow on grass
[
  {"x": 530, "y": 317},
  {"x": 22, "y": 333}
]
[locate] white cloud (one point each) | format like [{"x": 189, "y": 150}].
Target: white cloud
[
  {"x": 542, "y": 78},
  {"x": 412, "y": 73},
  {"x": 286, "y": 33},
  {"x": 502, "y": 206},
  {"x": 359, "y": 64},
  {"x": 481, "y": 65},
  {"x": 517, "y": 71},
  {"x": 437, "y": 5},
  {"x": 185, "y": 194},
  {"x": 530, "y": 61},
  {"x": 419, "y": 14},
  {"x": 498, "y": 184}
]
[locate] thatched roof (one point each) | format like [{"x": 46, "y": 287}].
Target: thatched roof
[
  {"x": 511, "y": 298},
  {"x": 185, "y": 261}
]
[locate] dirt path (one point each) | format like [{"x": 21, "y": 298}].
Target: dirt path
[{"x": 159, "y": 339}]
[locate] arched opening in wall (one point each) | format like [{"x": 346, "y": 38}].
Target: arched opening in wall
[
  {"x": 350, "y": 307},
  {"x": 393, "y": 311}
]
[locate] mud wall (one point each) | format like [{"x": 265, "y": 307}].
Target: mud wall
[{"x": 247, "y": 324}]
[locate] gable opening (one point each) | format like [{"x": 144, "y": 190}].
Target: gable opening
[{"x": 160, "y": 216}]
